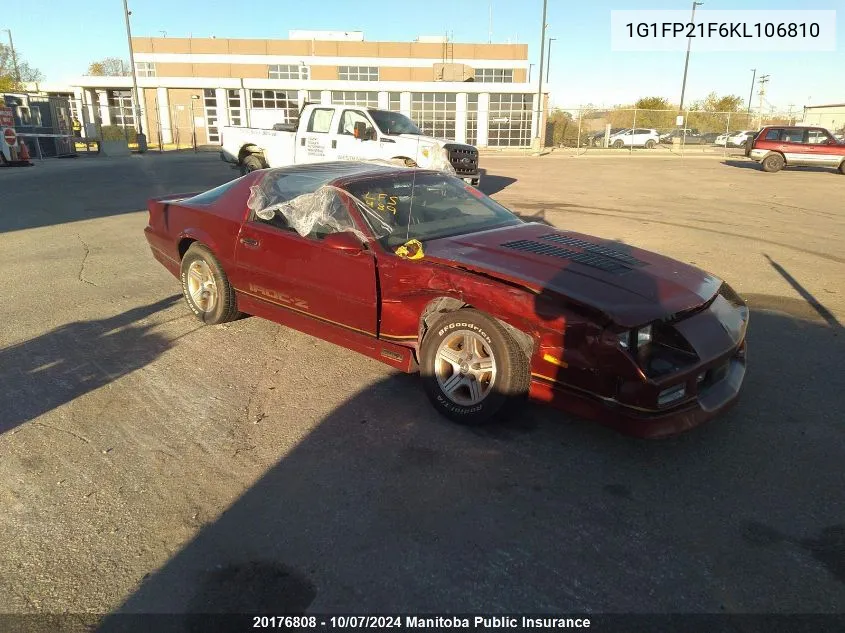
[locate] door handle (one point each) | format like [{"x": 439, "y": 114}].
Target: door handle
[
  {"x": 334, "y": 144},
  {"x": 303, "y": 142},
  {"x": 250, "y": 242}
]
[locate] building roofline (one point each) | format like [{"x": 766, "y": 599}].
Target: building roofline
[{"x": 825, "y": 105}]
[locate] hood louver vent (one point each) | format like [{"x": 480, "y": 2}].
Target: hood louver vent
[{"x": 601, "y": 257}]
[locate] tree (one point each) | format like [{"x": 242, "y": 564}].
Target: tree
[
  {"x": 715, "y": 103},
  {"x": 8, "y": 77},
  {"x": 109, "y": 67},
  {"x": 653, "y": 103}
]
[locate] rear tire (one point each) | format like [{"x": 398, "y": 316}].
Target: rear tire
[
  {"x": 252, "y": 162},
  {"x": 472, "y": 369},
  {"x": 649, "y": 144},
  {"x": 842, "y": 167},
  {"x": 206, "y": 287},
  {"x": 773, "y": 163}
]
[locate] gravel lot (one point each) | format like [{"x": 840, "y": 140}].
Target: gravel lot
[{"x": 150, "y": 464}]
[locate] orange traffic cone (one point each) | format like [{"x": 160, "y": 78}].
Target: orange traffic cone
[{"x": 24, "y": 151}]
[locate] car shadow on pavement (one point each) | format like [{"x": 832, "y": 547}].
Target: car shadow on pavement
[
  {"x": 491, "y": 184},
  {"x": 386, "y": 507},
  {"x": 50, "y": 370},
  {"x": 750, "y": 164}
]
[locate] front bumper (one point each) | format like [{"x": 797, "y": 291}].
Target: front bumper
[{"x": 649, "y": 423}]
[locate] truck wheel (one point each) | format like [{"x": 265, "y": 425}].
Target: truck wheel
[
  {"x": 251, "y": 162},
  {"x": 409, "y": 163},
  {"x": 472, "y": 368},
  {"x": 773, "y": 163},
  {"x": 206, "y": 288}
]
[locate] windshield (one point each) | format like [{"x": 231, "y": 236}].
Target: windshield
[
  {"x": 428, "y": 206},
  {"x": 394, "y": 123}
]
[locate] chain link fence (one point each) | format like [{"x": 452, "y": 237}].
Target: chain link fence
[{"x": 636, "y": 130}]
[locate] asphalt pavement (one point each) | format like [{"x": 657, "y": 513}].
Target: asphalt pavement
[{"x": 152, "y": 464}]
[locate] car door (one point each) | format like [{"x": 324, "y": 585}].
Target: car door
[
  {"x": 314, "y": 143},
  {"x": 793, "y": 146},
  {"x": 822, "y": 148},
  {"x": 347, "y": 145},
  {"x": 306, "y": 274}
]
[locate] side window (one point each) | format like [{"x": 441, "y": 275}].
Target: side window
[
  {"x": 321, "y": 120},
  {"x": 773, "y": 135},
  {"x": 348, "y": 121},
  {"x": 794, "y": 136},
  {"x": 818, "y": 137}
]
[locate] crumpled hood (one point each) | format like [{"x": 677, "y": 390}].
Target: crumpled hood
[{"x": 630, "y": 285}]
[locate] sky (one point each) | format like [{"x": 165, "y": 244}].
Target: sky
[{"x": 583, "y": 68}]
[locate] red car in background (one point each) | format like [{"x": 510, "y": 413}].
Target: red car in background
[
  {"x": 776, "y": 147},
  {"x": 423, "y": 272}
]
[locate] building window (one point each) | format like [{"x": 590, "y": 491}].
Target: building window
[
  {"x": 211, "y": 123},
  {"x": 145, "y": 69},
  {"x": 355, "y": 98},
  {"x": 285, "y": 100},
  {"x": 120, "y": 107},
  {"x": 357, "y": 73},
  {"x": 289, "y": 71},
  {"x": 315, "y": 96},
  {"x": 494, "y": 75},
  {"x": 434, "y": 113},
  {"x": 394, "y": 100},
  {"x": 472, "y": 119},
  {"x": 509, "y": 123},
  {"x": 233, "y": 98}
]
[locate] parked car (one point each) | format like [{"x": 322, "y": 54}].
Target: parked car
[
  {"x": 597, "y": 138},
  {"x": 638, "y": 137},
  {"x": 689, "y": 136},
  {"x": 777, "y": 147},
  {"x": 337, "y": 132},
  {"x": 709, "y": 137},
  {"x": 423, "y": 272},
  {"x": 734, "y": 139}
]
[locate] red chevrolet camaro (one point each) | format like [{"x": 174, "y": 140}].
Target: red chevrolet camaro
[{"x": 425, "y": 273}]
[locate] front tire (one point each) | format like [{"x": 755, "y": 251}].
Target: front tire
[
  {"x": 649, "y": 144},
  {"x": 250, "y": 163},
  {"x": 206, "y": 287},
  {"x": 842, "y": 167},
  {"x": 773, "y": 163},
  {"x": 618, "y": 144},
  {"x": 472, "y": 368}
]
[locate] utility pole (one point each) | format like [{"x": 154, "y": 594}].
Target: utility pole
[
  {"x": 686, "y": 63},
  {"x": 791, "y": 122},
  {"x": 540, "y": 76},
  {"x": 136, "y": 109},
  {"x": 490, "y": 25},
  {"x": 14, "y": 61},
  {"x": 764, "y": 79},
  {"x": 750, "y": 95}
]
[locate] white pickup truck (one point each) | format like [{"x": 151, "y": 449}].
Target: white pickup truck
[{"x": 337, "y": 132}]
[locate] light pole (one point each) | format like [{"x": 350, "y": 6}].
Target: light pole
[
  {"x": 540, "y": 77},
  {"x": 530, "y": 66},
  {"x": 549, "y": 60},
  {"x": 686, "y": 63},
  {"x": 751, "y": 94},
  {"x": 136, "y": 110},
  {"x": 14, "y": 60}
]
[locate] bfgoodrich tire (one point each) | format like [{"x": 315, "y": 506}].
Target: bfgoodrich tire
[
  {"x": 206, "y": 288},
  {"x": 472, "y": 369},
  {"x": 251, "y": 162},
  {"x": 773, "y": 163}
]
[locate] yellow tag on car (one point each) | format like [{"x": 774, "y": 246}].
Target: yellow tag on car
[{"x": 412, "y": 249}]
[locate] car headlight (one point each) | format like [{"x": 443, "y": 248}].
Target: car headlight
[{"x": 640, "y": 336}]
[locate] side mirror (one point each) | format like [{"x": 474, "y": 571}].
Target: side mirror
[{"x": 343, "y": 241}]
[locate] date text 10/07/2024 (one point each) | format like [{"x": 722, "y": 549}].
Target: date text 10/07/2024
[
  {"x": 416, "y": 622},
  {"x": 722, "y": 29}
]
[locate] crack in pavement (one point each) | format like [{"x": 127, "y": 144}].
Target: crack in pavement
[
  {"x": 55, "y": 428},
  {"x": 81, "y": 275}
]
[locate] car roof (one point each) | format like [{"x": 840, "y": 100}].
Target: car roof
[{"x": 324, "y": 173}]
